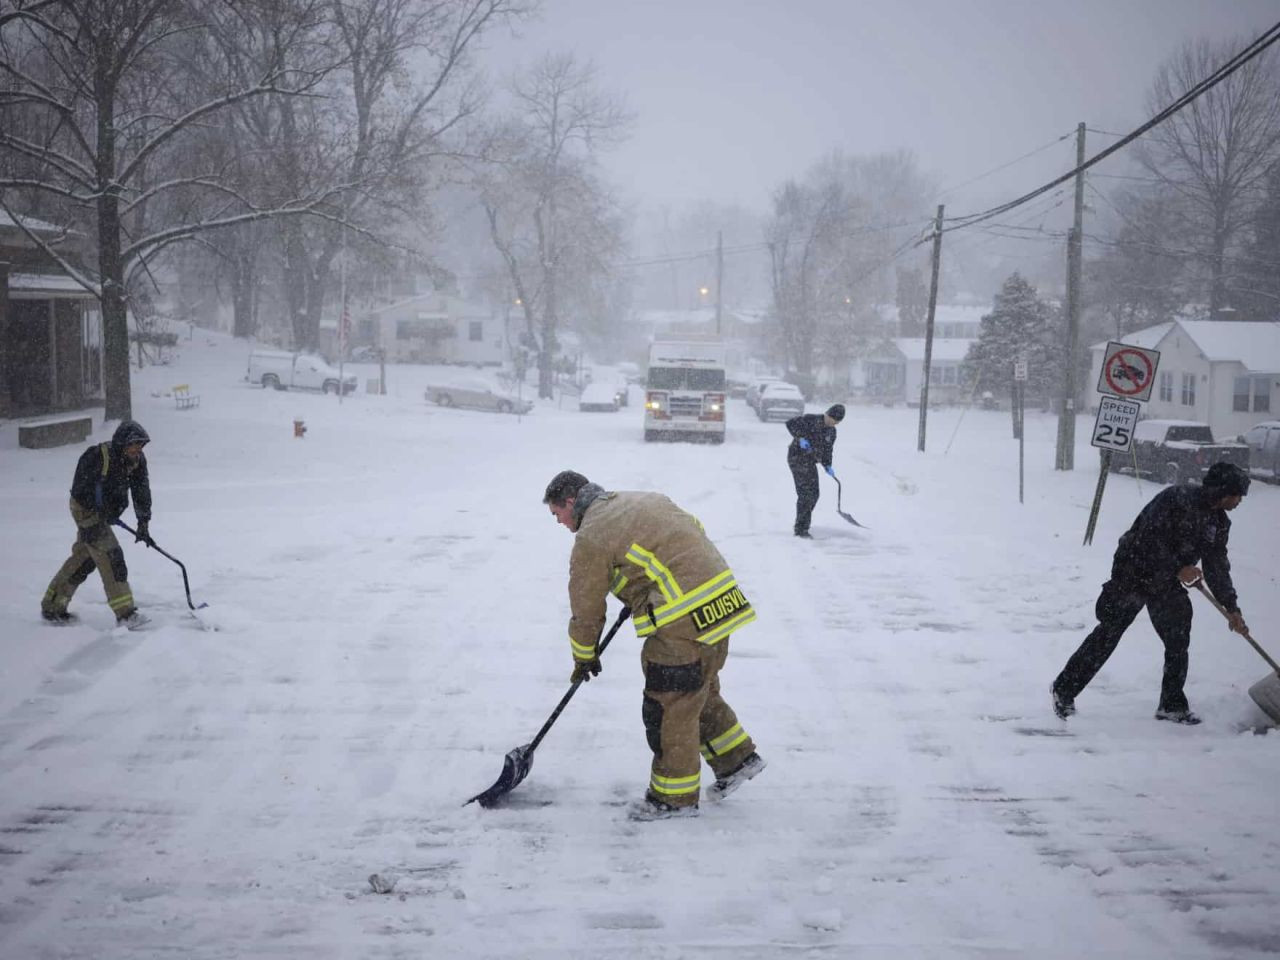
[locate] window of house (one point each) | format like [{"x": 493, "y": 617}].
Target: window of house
[
  {"x": 1188, "y": 389},
  {"x": 475, "y": 331},
  {"x": 1261, "y": 394},
  {"x": 1240, "y": 393},
  {"x": 1251, "y": 393},
  {"x": 1166, "y": 386}
]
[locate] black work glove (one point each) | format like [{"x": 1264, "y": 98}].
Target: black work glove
[
  {"x": 585, "y": 669},
  {"x": 143, "y": 535}
]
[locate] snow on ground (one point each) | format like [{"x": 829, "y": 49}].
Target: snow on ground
[{"x": 389, "y": 602}]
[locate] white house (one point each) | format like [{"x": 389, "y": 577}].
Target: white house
[
  {"x": 1225, "y": 373},
  {"x": 892, "y": 369},
  {"x": 436, "y": 328}
]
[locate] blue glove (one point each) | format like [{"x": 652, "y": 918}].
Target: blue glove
[
  {"x": 830, "y": 472},
  {"x": 804, "y": 444}
]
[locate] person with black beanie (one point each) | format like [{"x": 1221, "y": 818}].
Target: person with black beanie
[
  {"x": 1183, "y": 525},
  {"x": 813, "y": 442}
]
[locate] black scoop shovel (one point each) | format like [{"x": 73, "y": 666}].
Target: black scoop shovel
[{"x": 517, "y": 764}]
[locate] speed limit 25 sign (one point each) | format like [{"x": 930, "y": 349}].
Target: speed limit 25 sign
[
  {"x": 1113, "y": 430},
  {"x": 1128, "y": 371}
]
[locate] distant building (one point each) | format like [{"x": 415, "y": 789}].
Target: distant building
[
  {"x": 1225, "y": 373},
  {"x": 891, "y": 369},
  {"x": 50, "y": 326},
  {"x": 435, "y": 328}
]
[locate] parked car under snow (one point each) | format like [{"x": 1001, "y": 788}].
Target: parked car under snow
[
  {"x": 779, "y": 401},
  {"x": 476, "y": 395},
  {"x": 598, "y": 398}
]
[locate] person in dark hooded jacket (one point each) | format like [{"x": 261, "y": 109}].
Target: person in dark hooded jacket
[
  {"x": 1155, "y": 562},
  {"x": 106, "y": 475},
  {"x": 813, "y": 442}
]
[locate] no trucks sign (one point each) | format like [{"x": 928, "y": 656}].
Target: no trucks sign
[{"x": 1128, "y": 371}]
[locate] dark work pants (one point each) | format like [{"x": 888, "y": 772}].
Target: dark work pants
[
  {"x": 1118, "y": 604},
  {"x": 805, "y": 474}
]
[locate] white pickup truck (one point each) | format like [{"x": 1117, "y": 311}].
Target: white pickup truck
[{"x": 296, "y": 371}]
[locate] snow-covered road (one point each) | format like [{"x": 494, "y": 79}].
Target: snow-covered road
[{"x": 388, "y": 610}]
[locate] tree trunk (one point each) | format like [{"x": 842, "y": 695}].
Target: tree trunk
[
  {"x": 115, "y": 316},
  {"x": 244, "y": 281},
  {"x": 1217, "y": 266}
]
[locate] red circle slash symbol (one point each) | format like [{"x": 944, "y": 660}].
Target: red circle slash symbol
[{"x": 1128, "y": 372}]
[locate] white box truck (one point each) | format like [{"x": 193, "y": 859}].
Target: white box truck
[
  {"x": 296, "y": 371},
  {"x": 685, "y": 390}
]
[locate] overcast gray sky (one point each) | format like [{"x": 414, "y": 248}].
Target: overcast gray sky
[{"x": 734, "y": 96}]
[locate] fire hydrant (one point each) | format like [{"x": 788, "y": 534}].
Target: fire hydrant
[{"x": 299, "y": 428}]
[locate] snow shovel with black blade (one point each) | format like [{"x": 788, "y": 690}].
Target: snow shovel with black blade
[
  {"x": 517, "y": 764},
  {"x": 847, "y": 516},
  {"x": 1266, "y": 692},
  {"x": 186, "y": 584}
]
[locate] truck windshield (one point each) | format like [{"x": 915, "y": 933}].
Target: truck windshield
[
  {"x": 1194, "y": 434},
  {"x": 682, "y": 378}
]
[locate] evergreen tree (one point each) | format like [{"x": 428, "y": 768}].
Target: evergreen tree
[{"x": 1020, "y": 324}]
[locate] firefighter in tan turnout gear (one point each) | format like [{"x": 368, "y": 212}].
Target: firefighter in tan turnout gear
[
  {"x": 106, "y": 474},
  {"x": 685, "y": 603}
]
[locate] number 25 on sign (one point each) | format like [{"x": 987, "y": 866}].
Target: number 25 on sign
[{"x": 1113, "y": 430}]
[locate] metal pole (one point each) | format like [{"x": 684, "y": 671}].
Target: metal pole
[
  {"x": 719, "y": 278},
  {"x": 1097, "y": 497},
  {"x": 1067, "y": 410},
  {"x": 342, "y": 315},
  {"x": 1022, "y": 435},
  {"x": 928, "y": 328}
]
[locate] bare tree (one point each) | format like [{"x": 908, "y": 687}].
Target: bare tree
[
  {"x": 1216, "y": 151},
  {"x": 104, "y": 81},
  {"x": 397, "y": 108},
  {"x": 1141, "y": 276},
  {"x": 553, "y": 222},
  {"x": 832, "y": 239}
]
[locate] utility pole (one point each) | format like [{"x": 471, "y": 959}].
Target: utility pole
[
  {"x": 1075, "y": 250},
  {"x": 928, "y": 325},
  {"x": 719, "y": 278}
]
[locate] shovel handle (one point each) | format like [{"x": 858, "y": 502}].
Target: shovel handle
[
  {"x": 564, "y": 701},
  {"x": 1199, "y": 584}
]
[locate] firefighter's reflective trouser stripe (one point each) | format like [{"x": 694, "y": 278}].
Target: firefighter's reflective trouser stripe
[
  {"x": 95, "y": 546},
  {"x": 685, "y": 720}
]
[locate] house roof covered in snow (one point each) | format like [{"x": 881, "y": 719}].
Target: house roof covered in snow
[
  {"x": 31, "y": 223},
  {"x": 435, "y": 303},
  {"x": 1147, "y": 337},
  {"x": 1255, "y": 345},
  {"x": 41, "y": 286},
  {"x": 944, "y": 350}
]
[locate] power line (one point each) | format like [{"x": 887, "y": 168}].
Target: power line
[
  {"x": 1254, "y": 49},
  {"x": 1004, "y": 166}
]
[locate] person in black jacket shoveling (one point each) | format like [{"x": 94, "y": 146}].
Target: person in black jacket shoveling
[
  {"x": 1156, "y": 560},
  {"x": 814, "y": 440},
  {"x": 105, "y": 476}
]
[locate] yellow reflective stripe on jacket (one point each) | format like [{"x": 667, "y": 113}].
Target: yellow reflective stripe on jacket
[
  {"x": 582, "y": 651},
  {"x": 719, "y": 746},
  {"x": 675, "y": 786},
  {"x": 619, "y": 582},
  {"x": 723, "y": 630},
  {"x": 698, "y": 595},
  {"x": 106, "y": 457},
  {"x": 655, "y": 570}
]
